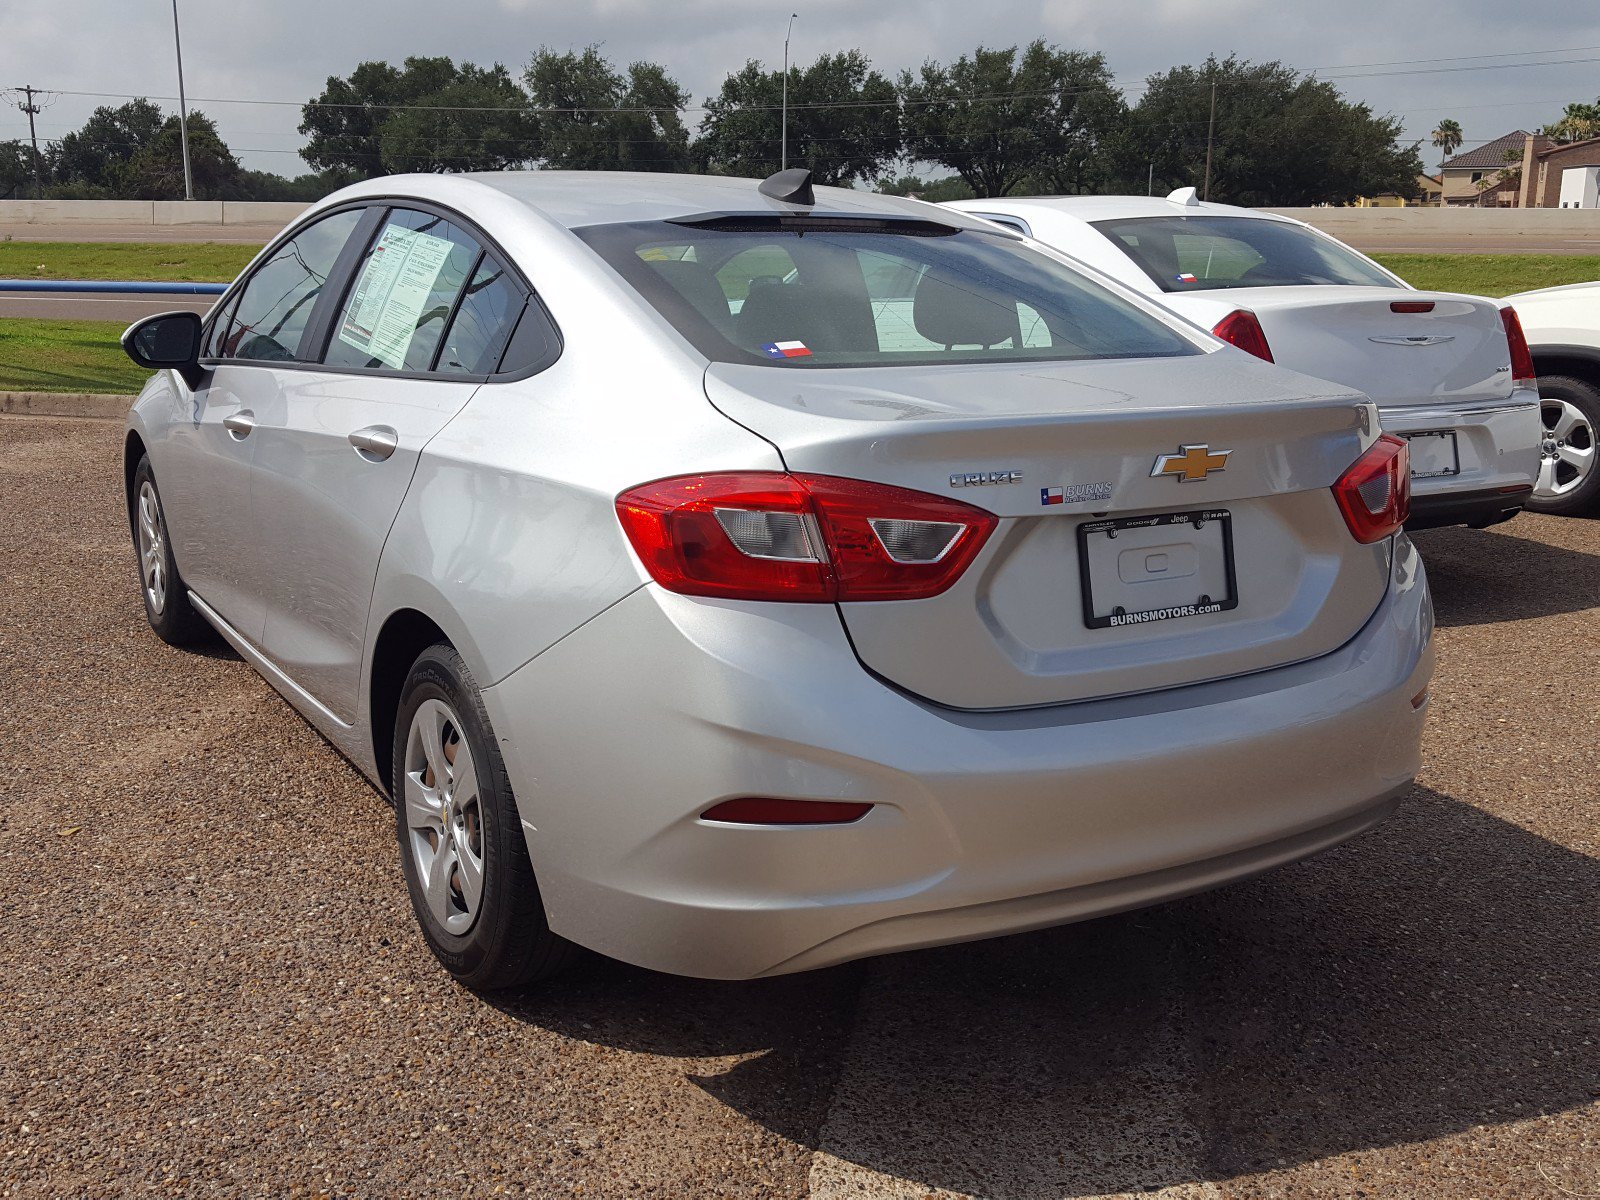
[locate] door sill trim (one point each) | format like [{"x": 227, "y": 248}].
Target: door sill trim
[{"x": 295, "y": 694}]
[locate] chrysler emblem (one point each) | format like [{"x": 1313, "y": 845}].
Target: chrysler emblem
[
  {"x": 1418, "y": 339},
  {"x": 1190, "y": 463}
]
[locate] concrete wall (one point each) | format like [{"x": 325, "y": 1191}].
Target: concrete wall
[
  {"x": 1535, "y": 224},
  {"x": 147, "y": 212}
]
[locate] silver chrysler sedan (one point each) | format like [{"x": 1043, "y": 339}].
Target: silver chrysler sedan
[{"x": 740, "y": 578}]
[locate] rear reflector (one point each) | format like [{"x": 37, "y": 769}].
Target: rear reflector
[
  {"x": 1375, "y": 493},
  {"x": 765, "y": 535},
  {"x": 1522, "y": 373},
  {"x": 1242, "y": 328},
  {"x": 1411, "y": 306},
  {"x": 762, "y": 810}
]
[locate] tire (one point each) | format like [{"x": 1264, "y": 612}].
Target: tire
[
  {"x": 1569, "y": 464},
  {"x": 465, "y": 862},
  {"x": 166, "y": 599}
]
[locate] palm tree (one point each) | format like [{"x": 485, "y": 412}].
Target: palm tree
[{"x": 1448, "y": 138}]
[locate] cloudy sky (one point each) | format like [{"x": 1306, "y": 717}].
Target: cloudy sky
[{"x": 282, "y": 50}]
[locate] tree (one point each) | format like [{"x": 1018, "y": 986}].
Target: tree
[
  {"x": 16, "y": 169},
  {"x": 88, "y": 161},
  {"x": 1447, "y": 138},
  {"x": 844, "y": 121},
  {"x": 156, "y": 171},
  {"x": 1281, "y": 139},
  {"x": 951, "y": 187},
  {"x": 1002, "y": 118},
  {"x": 596, "y": 119},
  {"x": 426, "y": 115},
  {"x": 1578, "y": 122}
]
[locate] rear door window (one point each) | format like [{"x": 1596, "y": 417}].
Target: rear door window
[
  {"x": 482, "y": 322},
  {"x": 274, "y": 306},
  {"x": 405, "y": 294}
]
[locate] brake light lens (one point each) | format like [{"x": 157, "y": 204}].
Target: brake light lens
[
  {"x": 1242, "y": 328},
  {"x": 1522, "y": 373},
  {"x": 1411, "y": 306},
  {"x": 1375, "y": 493},
  {"x": 814, "y": 539},
  {"x": 766, "y": 810}
]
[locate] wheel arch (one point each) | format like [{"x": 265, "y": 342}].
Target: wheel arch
[
  {"x": 1579, "y": 362},
  {"x": 133, "y": 449},
  {"x": 406, "y": 633}
]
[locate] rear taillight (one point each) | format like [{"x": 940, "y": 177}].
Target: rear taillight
[
  {"x": 1375, "y": 493},
  {"x": 1242, "y": 328},
  {"x": 1522, "y": 373},
  {"x": 765, "y": 535}
]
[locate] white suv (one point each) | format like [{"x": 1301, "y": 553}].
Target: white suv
[
  {"x": 1563, "y": 326},
  {"x": 1450, "y": 373}
]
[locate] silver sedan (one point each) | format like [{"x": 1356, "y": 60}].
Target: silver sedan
[{"x": 740, "y": 578}]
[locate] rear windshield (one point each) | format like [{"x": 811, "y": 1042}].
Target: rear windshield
[
  {"x": 1196, "y": 254},
  {"x": 815, "y": 293}
]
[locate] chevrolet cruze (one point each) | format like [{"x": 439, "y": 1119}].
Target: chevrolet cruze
[{"x": 740, "y": 578}]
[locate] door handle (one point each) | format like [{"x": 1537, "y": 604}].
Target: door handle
[
  {"x": 375, "y": 443},
  {"x": 239, "y": 424}
]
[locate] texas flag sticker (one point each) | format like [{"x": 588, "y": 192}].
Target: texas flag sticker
[
  {"x": 786, "y": 350},
  {"x": 1052, "y": 496},
  {"x": 1185, "y": 277}
]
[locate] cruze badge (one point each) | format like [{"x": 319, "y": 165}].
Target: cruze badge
[
  {"x": 1191, "y": 463},
  {"x": 984, "y": 478}
]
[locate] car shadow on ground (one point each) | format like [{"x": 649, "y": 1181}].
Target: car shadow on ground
[
  {"x": 1481, "y": 576},
  {"x": 1437, "y": 974}
]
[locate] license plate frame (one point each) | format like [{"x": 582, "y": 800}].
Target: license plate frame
[
  {"x": 1203, "y": 604},
  {"x": 1449, "y": 440}
]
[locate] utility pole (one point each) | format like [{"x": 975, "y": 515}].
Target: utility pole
[
  {"x": 32, "y": 109},
  {"x": 1210, "y": 135},
  {"x": 183, "y": 108},
  {"x": 783, "y": 156}
]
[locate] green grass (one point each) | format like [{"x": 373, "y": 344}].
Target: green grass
[
  {"x": 65, "y": 356},
  {"x": 1491, "y": 274},
  {"x": 184, "y": 262}
]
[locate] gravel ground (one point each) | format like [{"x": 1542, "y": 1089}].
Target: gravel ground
[{"x": 213, "y": 984}]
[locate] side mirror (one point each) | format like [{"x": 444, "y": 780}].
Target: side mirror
[{"x": 167, "y": 341}]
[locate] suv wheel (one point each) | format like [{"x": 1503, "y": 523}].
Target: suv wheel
[
  {"x": 461, "y": 843},
  {"x": 1568, "y": 483}
]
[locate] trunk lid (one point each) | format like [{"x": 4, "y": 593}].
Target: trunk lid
[
  {"x": 1456, "y": 351},
  {"x": 1016, "y": 629}
]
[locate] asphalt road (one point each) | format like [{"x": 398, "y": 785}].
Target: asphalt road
[
  {"x": 213, "y": 985},
  {"x": 100, "y": 306},
  {"x": 257, "y": 235}
]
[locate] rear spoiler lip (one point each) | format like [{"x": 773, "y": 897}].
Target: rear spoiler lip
[{"x": 836, "y": 221}]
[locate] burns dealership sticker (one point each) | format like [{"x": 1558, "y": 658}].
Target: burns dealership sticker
[{"x": 1075, "y": 493}]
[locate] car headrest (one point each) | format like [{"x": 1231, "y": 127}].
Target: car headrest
[
  {"x": 696, "y": 284},
  {"x": 964, "y": 314},
  {"x": 782, "y": 312}
]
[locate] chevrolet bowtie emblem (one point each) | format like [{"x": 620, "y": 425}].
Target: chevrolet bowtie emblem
[{"x": 1191, "y": 463}]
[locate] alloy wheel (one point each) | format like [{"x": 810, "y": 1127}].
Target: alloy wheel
[
  {"x": 152, "y": 548},
  {"x": 1566, "y": 449},
  {"x": 444, "y": 819}
]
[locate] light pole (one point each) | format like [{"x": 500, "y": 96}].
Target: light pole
[
  {"x": 183, "y": 108},
  {"x": 783, "y": 157}
]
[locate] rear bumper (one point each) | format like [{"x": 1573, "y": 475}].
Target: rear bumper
[
  {"x": 1477, "y": 508},
  {"x": 1497, "y": 445},
  {"x": 985, "y": 823}
]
